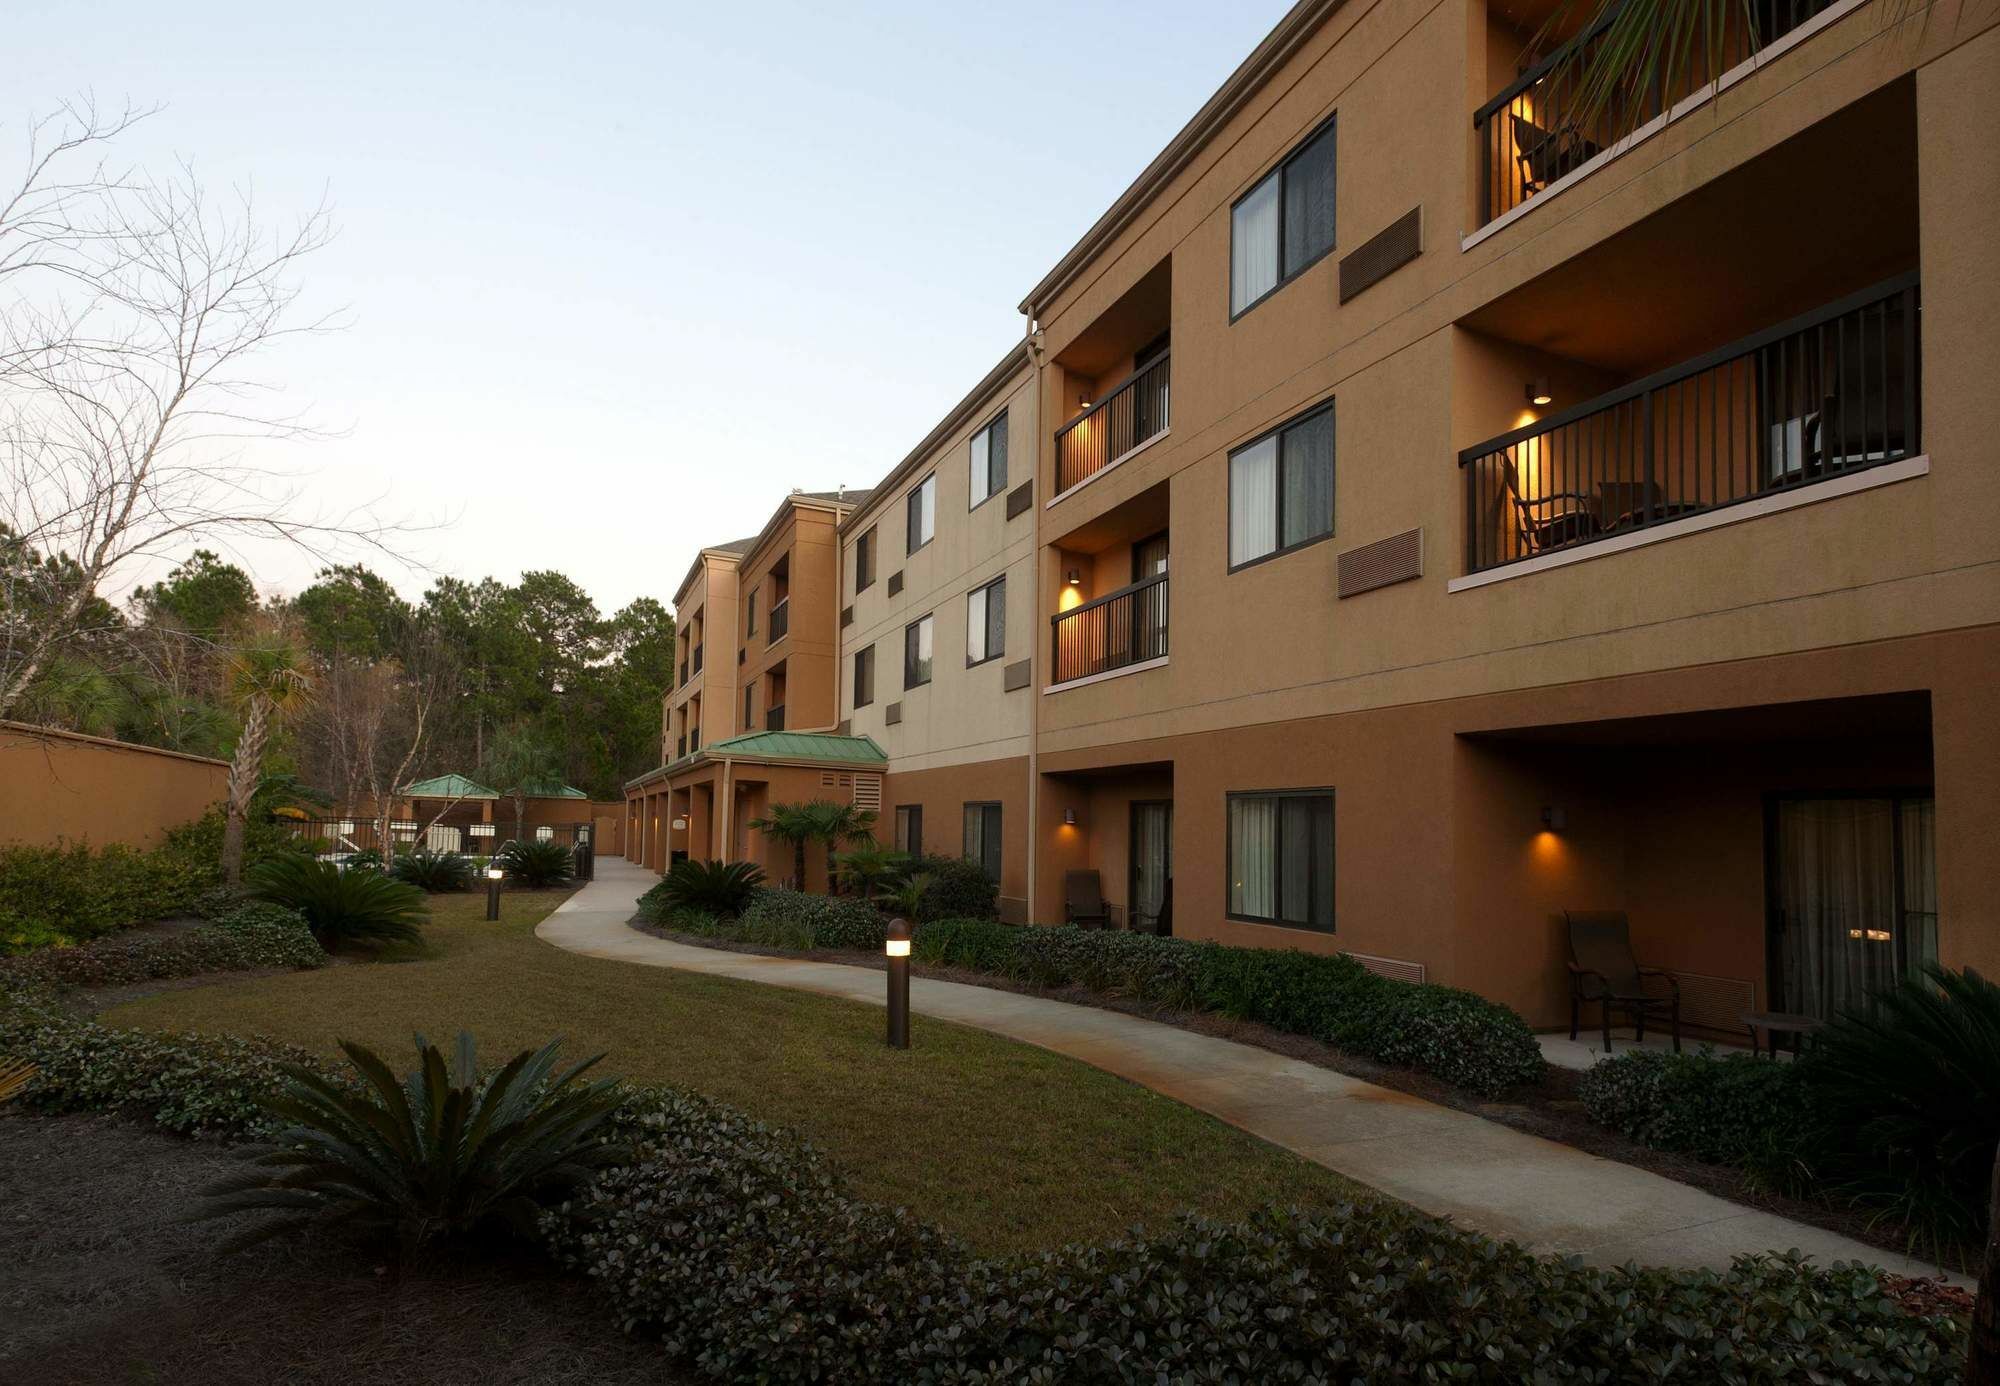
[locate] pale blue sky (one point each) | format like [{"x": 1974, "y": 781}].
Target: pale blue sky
[{"x": 620, "y": 275}]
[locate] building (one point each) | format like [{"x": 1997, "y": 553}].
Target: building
[
  {"x": 755, "y": 725},
  {"x": 938, "y": 635},
  {"x": 1563, "y": 512},
  {"x": 1448, "y": 506}
]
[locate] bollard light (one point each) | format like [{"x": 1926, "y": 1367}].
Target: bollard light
[
  {"x": 494, "y": 874},
  {"x": 897, "y": 947}
]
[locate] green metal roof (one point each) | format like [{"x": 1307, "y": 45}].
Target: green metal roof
[
  {"x": 783, "y": 745},
  {"x": 448, "y": 787},
  {"x": 551, "y": 789}
]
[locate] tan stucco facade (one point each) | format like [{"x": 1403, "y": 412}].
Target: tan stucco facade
[
  {"x": 62, "y": 787},
  {"x": 1506, "y": 728}
]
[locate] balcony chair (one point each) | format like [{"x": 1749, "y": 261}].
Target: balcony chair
[
  {"x": 1602, "y": 969},
  {"x": 1083, "y": 900},
  {"x": 1542, "y": 529},
  {"x": 1546, "y": 155}
]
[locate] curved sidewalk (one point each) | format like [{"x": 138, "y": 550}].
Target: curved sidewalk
[{"x": 1503, "y": 1182}]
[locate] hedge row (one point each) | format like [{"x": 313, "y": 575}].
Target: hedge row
[
  {"x": 793, "y": 919},
  {"x": 1464, "y": 1039},
  {"x": 252, "y": 936},
  {"x": 746, "y": 1253},
  {"x": 1736, "y": 1110},
  {"x": 748, "y": 1257}
]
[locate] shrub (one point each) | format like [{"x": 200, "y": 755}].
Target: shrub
[
  {"x": 957, "y": 889},
  {"x": 67, "y": 893},
  {"x": 341, "y": 907},
  {"x": 433, "y": 871},
  {"x": 715, "y": 888},
  {"x": 793, "y": 919},
  {"x": 438, "y": 1153},
  {"x": 749, "y": 1258},
  {"x": 113, "y": 962},
  {"x": 1739, "y": 1110},
  {"x": 537, "y": 864},
  {"x": 984, "y": 945},
  {"x": 192, "y": 1084},
  {"x": 212, "y": 902},
  {"x": 1907, "y": 1096},
  {"x": 260, "y": 913}
]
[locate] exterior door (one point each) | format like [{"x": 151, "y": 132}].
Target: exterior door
[
  {"x": 1152, "y": 868},
  {"x": 1853, "y": 897}
]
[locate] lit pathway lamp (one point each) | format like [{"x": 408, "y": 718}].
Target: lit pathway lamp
[
  {"x": 898, "y": 949},
  {"x": 493, "y": 876}
]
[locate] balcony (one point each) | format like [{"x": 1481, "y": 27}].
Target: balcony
[
  {"x": 697, "y": 658},
  {"x": 1820, "y": 397},
  {"x": 774, "y": 718},
  {"x": 1117, "y": 631},
  {"x": 781, "y": 621},
  {"x": 681, "y": 747},
  {"x": 1541, "y": 127},
  {"x": 1132, "y": 414},
  {"x": 684, "y": 671}
]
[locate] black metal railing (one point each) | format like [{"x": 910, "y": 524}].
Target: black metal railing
[
  {"x": 1125, "y": 627},
  {"x": 1830, "y": 392},
  {"x": 681, "y": 746},
  {"x": 774, "y": 717},
  {"x": 1543, "y": 126},
  {"x": 694, "y": 740},
  {"x": 1138, "y": 409},
  {"x": 684, "y": 671},
  {"x": 697, "y": 658},
  {"x": 781, "y": 621},
  {"x": 360, "y": 840}
]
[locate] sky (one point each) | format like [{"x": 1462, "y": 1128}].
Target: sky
[{"x": 615, "y": 277}]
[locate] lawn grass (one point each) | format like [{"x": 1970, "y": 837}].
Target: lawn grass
[{"x": 1010, "y": 1146}]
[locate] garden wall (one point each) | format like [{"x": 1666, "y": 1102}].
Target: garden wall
[{"x": 59, "y": 785}]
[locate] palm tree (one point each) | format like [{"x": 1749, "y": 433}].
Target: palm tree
[
  {"x": 869, "y": 866},
  {"x": 833, "y": 824},
  {"x": 794, "y": 825},
  {"x": 267, "y": 681}
]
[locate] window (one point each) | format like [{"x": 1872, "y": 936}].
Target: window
[
  {"x": 982, "y": 838},
  {"x": 750, "y": 613},
  {"x": 1284, "y": 224},
  {"x": 917, "y": 653},
  {"x": 749, "y": 708},
  {"x": 1281, "y": 489},
  {"x": 922, "y": 504},
  {"x": 910, "y": 829},
  {"x": 1281, "y": 858},
  {"x": 864, "y": 676},
  {"x": 988, "y": 460},
  {"x": 864, "y": 561},
  {"x": 986, "y": 622}
]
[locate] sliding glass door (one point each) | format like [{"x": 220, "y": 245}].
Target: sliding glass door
[
  {"x": 1152, "y": 867},
  {"x": 1853, "y": 897}
]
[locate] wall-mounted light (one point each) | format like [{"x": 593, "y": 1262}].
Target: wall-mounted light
[
  {"x": 1075, "y": 578},
  {"x": 680, "y": 825},
  {"x": 1538, "y": 391},
  {"x": 1083, "y": 400},
  {"x": 1553, "y": 818},
  {"x": 1069, "y": 818}
]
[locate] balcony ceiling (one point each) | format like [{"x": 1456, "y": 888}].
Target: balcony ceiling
[
  {"x": 1141, "y": 313},
  {"x": 1873, "y": 719},
  {"x": 1832, "y": 210}
]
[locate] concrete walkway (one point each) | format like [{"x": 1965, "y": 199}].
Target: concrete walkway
[{"x": 1501, "y": 1181}]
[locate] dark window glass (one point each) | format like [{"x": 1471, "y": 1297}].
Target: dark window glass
[
  {"x": 1281, "y": 858},
  {"x": 864, "y": 561},
  {"x": 982, "y": 838},
  {"x": 864, "y": 676},
  {"x": 1309, "y": 203},
  {"x": 910, "y": 829},
  {"x": 917, "y": 653}
]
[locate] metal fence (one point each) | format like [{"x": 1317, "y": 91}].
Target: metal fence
[{"x": 1138, "y": 409}]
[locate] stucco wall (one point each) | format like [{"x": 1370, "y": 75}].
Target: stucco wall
[{"x": 54, "y": 785}]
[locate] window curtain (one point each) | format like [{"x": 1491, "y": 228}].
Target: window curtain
[
  {"x": 1253, "y": 845},
  {"x": 981, "y": 466},
  {"x": 1152, "y": 848},
  {"x": 1309, "y": 202},
  {"x": 975, "y": 625},
  {"x": 1917, "y": 825},
  {"x": 1308, "y": 479},
  {"x": 1837, "y": 899},
  {"x": 1253, "y": 246},
  {"x": 1253, "y": 501}
]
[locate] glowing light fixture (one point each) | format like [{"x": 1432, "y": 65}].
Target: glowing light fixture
[
  {"x": 1075, "y": 577},
  {"x": 1083, "y": 400},
  {"x": 1069, "y": 818},
  {"x": 1553, "y": 818},
  {"x": 1538, "y": 391}
]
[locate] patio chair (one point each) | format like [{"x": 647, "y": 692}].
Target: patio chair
[
  {"x": 1083, "y": 900},
  {"x": 1602, "y": 969},
  {"x": 1550, "y": 521},
  {"x": 1546, "y": 155}
]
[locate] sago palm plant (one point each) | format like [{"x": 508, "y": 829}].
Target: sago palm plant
[
  {"x": 351, "y": 906},
  {"x": 536, "y": 864},
  {"x": 439, "y": 1153},
  {"x": 718, "y": 888},
  {"x": 868, "y": 866},
  {"x": 433, "y": 871}
]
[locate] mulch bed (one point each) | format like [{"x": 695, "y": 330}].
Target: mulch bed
[
  {"x": 103, "y": 1279},
  {"x": 1550, "y": 1109}
]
